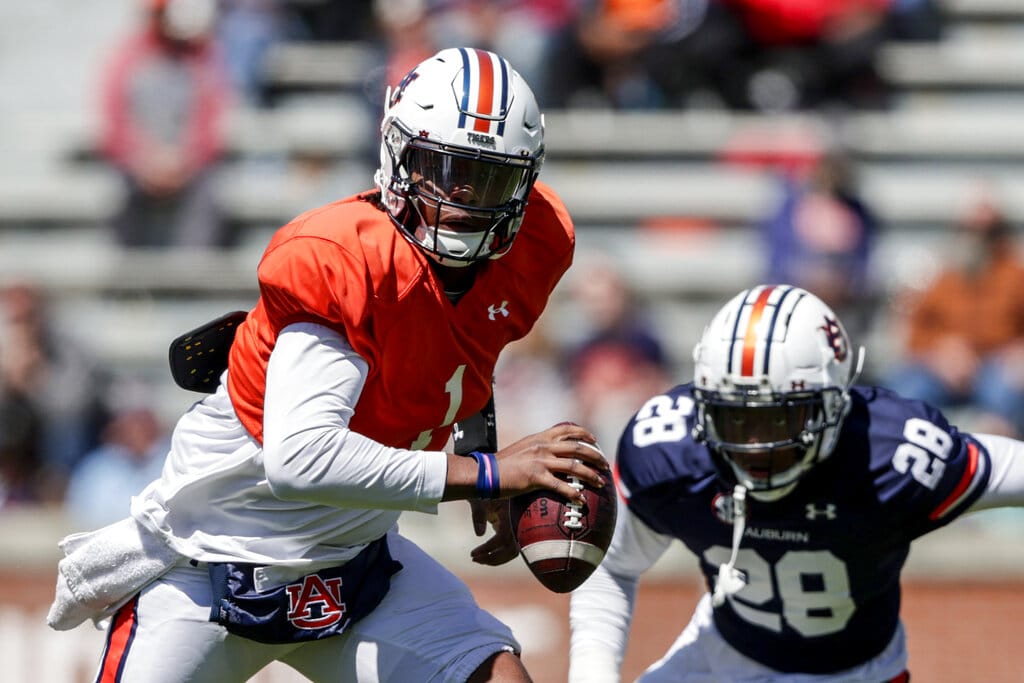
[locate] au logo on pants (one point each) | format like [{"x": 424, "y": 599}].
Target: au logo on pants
[{"x": 315, "y": 602}]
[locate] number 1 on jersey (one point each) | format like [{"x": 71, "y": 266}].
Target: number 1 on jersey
[{"x": 453, "y": 387}]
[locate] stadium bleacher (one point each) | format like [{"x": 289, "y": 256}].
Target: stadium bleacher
[
  {"x": 653, "y": 188},
  {"x": 960, "y": 119}
]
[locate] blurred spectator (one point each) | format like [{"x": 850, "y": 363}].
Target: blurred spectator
[
  {"x": 637, "y": 54},
  {"x": 164, "y": 94},
  {"x": 52, "y": 397},
  {"x": 529, "y": 388},
  {"x": 765, "y": 55},
  {"x": 20, "y": 459},
  {"x": 130, "y": 456},
  {"x": 801, "y": 54},
  {"x": 619, "y": 362},
  {"x": 820, "y": 237},
  {"x": 916, "y": 20},
  {"x": 405, "y": 34},
  {"x": 965, "y": 329},
  {"x": 333, "y": 20},
  {"x": 247, "y": 30},
  {"x": 524, "y": 31}
]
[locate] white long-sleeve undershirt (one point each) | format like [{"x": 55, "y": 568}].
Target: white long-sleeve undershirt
[
  {"x": 601, "y": 610},
  {"x": 1006, "y": 483},
  {"x": 314, "y": 379}
]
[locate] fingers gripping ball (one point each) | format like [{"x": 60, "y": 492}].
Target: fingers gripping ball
[{"x": 562, "y": 543}]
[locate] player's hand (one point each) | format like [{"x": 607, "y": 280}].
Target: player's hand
[
  {"x": 501, "y": 547},
  {"x": 532, "y": 462}
]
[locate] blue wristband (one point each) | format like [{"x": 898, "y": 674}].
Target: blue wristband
[{"x": 487, "y": 482}]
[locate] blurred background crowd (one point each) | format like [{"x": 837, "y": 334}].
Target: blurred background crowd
[{"x": 868, "y": 150}]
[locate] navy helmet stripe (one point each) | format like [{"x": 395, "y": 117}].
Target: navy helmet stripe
[
  {"x": 465, "y": 87},
  {"x": 503, "y": 111},
  {"x": 771, "y": 330},
  {"x": 735, "y": 330}
]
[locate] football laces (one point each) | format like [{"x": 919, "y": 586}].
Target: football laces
[{"x": 574, "y": 511}]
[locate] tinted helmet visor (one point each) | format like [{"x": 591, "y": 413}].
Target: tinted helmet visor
[{"x": 468, "y": 179}]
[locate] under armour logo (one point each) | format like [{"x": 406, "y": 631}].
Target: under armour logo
[
  {"x": 458, "y": 432},
  {"x": 828, "y": 512},
  {"x": 315, "y": 603},
  {"x": 492, "y": 311}
]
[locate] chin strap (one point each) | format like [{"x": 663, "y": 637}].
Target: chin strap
[{"x": 731, "y": 580}]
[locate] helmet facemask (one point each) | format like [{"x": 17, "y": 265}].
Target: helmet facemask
[
  {"x": 771, "y": 382},
  {"x": 460, "y": 204},
  {"x": 768, "y": 441}
]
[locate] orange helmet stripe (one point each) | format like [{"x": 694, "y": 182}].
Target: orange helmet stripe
[
  {"x": 750, "y": 337},
  {"x": 485, "y": 98}
]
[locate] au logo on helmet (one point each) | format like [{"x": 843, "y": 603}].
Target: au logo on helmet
[
  {"x": 834, "y": 333},
  {"x": 396, "y": 94}
]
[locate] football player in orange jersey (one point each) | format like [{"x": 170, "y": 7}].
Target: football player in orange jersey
[{"x": 272, "y": 533}]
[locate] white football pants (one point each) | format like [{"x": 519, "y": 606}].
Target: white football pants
[
  {"x": 428, "y": 628},
  {"x": 701, "y": 655}
]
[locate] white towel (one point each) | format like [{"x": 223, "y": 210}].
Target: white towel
[{"x": 103, "y": 569}]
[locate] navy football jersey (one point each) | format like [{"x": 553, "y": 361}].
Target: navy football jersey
[{"x": 822, "y": 564}]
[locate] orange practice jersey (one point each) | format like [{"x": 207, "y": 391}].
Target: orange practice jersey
[{"x": 346, "y": 266}]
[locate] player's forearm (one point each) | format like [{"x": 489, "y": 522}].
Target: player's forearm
[
  {"x": 1006, "y": 483},
  {"x": 600, "y": 612},
  {"x": 461, "y": 479},
  {"x": 314, "y": 379},
  {"x": 601, "y": 609},
  {"x": 342, "y": 468}
]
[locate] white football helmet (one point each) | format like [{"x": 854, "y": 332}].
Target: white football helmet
[
  {"x": 462, "y": 142},
  {"x": 771, "y": 379}
]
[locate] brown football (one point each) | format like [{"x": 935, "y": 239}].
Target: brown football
[{"x": 563, "y": 544}]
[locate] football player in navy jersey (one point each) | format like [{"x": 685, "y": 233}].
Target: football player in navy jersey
[{"x": 800, "y": 493}]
